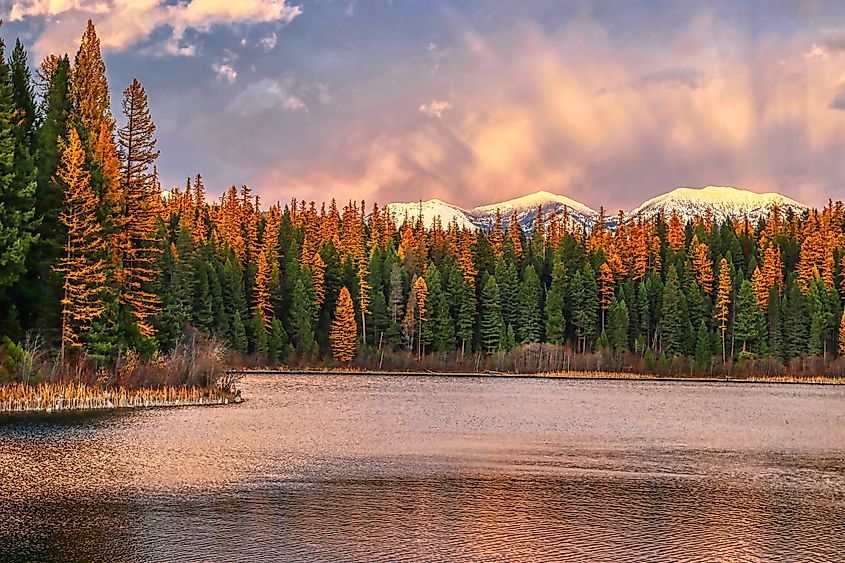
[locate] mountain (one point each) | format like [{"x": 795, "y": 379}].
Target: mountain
[
  {"x": 723, "y": 202},
  {"x": 526, "y": 207},
  {"x": 431, "y": 209},
  {"x": 484, "y": 216}
]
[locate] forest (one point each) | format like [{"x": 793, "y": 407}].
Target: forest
[{"x": 101, "y": 269}]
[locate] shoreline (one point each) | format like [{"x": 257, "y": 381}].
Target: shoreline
[
  {"x": 49, "y": 398},
  {"x": 570, "y": 376}
]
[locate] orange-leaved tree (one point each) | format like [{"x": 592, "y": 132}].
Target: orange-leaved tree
[
  {"x": 344, "y": 332},
  {"x": 84, "y": 273}
]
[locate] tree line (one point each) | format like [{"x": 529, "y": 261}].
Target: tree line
[{"x": 97, "y": 262}]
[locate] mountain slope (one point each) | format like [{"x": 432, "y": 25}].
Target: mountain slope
[{"x": 722, "y": 201}]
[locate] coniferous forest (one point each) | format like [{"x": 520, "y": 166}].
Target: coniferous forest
[{"x": 99, "y": 267}]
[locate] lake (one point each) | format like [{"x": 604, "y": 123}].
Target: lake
[{"x": 359, "y": 468}]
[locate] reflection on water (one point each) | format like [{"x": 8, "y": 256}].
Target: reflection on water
[{"x": 353, "y": 468}]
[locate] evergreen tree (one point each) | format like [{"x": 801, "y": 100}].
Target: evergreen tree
[
  {"x": 555, "y": 320},
  {"x": 671, "y": 323},
  {"x": 301, "y": 314},
  {"x": 585, "y": 304},
  {"x": 702, "y": 345},
  {"x": 774, "y": 324},
  {"x": 618, "y": 324},
  {"x": 261, "y": 338},
  {"x": 795, "y": 325},
  {"x": 466, "y": 316},
  {"x": 492, "y": 325},
  {"x": 748, "y": 316},
  {"x": 530, "y": 317},
  {"x": 18, "y": 222}
]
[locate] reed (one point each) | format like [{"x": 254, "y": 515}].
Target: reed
[{"x": 60, "y": 396}]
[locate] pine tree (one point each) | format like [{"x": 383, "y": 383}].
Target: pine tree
[
  {"x": 137, "y": 243},
  {"x": 555, "y": 320},
  {"x": 344, "y": 332},
  {"x": 702, "y": 345},
  {"x": 618, "y": 324},
  {"x": 301, "y": 318},
  {"x": 585, "y": 304},
  {"x": 466, "y": 316},
  {"x": 18, "y": 222},
  {"x": 84, "y": 274},
  {"x": 261, "y": 337},
  {"x": 723, "y": 301},
  {"x": 748, "y": 314},
  {"x": 530, "y": 307},
  {"x": 492, "y": 324},
  {"x": 671, "y": 323}
]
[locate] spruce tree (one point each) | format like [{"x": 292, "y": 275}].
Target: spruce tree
[
  {"x": 301, "y": 315},
  {"x": 618, "y": 324},
  {"x": 492, "y": 325},
  {"x": 702, "y": 345},
  {"x": 466, "y": 317},
  {"x": 774, "y": 323},
  {"x": 530, "y": 316},
  {"x": 748, "y": 316},
  {"x": 671, "y": 317},
  {"x": 555, "y": 320},
  {"x": 585, "y": 303}
]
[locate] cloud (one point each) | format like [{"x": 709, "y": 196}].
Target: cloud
[
  {"x": 264, "y": 95},
  {"x": 226, "y": 72},
  {"x": 710, "y": 106},
  {"x": 678, "y": 76},
  {"x": 436, "y": 108},
  {"x": 269, "y": 43},
  {"x": 833, "y": 39},
  {"x": 838, "y": 102},
  {"x": 124, "y": 23},
  {"x": 816, "y": 52}
]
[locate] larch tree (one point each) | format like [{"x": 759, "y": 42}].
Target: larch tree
[
  {"x": 344, "y": 330},
  {"x": 141, "y": 200},
  {"x": 263, "y": 306},
  {"x": 83, "y": 273},
  {"x": 723, "y": 301},
  {"x": 842, "y": 334}
]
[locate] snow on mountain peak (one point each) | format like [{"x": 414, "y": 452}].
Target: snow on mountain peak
[
  {"x": 532, "y": 201},
  {"x": 723, "y": 202}
]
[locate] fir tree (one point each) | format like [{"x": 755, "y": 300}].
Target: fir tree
[
  {"x": 702, "y": 345},
  {"x": 466, "y": 316},
  {"x": 671, "y": 323},
  {"x": 555, "y": 320},
  {"x": 530, "y": 317},
  {"x": 748, "y": 315},
  {"x": 492, "y": 324},
  {"x": 618, "y": 324}
]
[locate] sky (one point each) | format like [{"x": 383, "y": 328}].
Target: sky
[{"x": 473, "y": 102}]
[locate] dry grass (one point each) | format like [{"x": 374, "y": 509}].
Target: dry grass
[{"x": 18, "y": 397}]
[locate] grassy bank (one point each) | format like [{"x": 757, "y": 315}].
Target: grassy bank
[
  {"x": 585, "y": 375},
  {"x": 53, "y": 397}
]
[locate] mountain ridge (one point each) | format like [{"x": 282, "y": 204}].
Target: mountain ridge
[{"x": 724, "y": 202}]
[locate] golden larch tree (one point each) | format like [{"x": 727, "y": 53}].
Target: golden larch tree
[
  {"x": 606, "y": 289},
  {"x": 842, "y": 334},
  {"x": 676, "y": 236},
  {"x": 84, "y": 274},
  {"x": 138, "y": 246},
  {"x": 761, "y": 290},
  {"x": 723, "y": 301},
  {"x": 344, "y": 331},
  {"x": 702, "y": 265},
  {"x": 263, "y": 306}
]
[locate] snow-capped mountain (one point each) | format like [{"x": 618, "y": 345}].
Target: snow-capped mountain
[
  {"x": 526, "y": 208},
  {"x": 723, "y": 202},
  {"x": 484, "y": 216},
  {"x": 431, "y": 209}
]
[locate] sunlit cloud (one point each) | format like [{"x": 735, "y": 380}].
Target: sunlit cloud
[
  {"x": 225, "y": 72},
  {"x": 436, "y": 108},
  {"x": 124, "y": 23}
]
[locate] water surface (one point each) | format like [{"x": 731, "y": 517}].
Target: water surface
[{"x": 351, "y": 468}]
